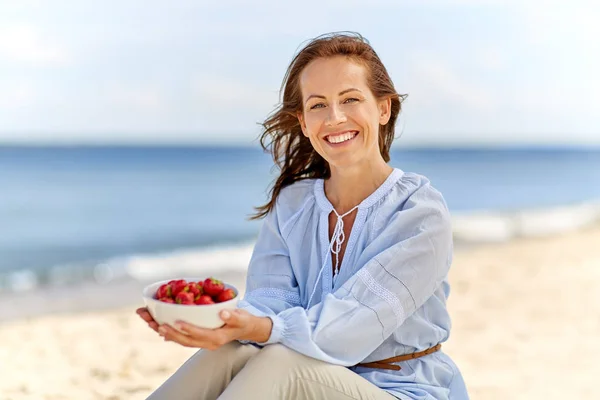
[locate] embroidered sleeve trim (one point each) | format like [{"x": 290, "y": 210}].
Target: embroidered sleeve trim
[
  {"x": 275, "y": 293},
  {"x": 382, "y": 292}
]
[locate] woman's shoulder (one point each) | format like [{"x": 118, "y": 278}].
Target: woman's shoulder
[
  {"x": 295, "y": 198},
  {"x": 412, "y": 205},
  {"x": 296, "y": 193},
  {"x": 414, "y": 189}
]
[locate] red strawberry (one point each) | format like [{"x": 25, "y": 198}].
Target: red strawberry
[
  {"x": 177, "y": 286},
  {"x": 204, "y": 299},
  {"x": 163, "y": 291},
  {"x": 213, "y": 287},
  {"x": 184, "y": 298},
  {"x": 225, "y": 295},
  {"x": 167, "y": 300},
  {"x": 194, "y": 289}
]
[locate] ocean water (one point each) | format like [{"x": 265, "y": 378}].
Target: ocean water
[{"x": 72, "y": 213}]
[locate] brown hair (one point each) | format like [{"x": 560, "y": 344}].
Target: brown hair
[{"x": 292, "y": 152}]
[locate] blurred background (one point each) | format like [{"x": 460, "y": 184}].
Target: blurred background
[{"x": 128, "y": 129}]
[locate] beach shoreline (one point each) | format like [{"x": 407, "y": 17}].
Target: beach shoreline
[{"x": 127, "y": 274}]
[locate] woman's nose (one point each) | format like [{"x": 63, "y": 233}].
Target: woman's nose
[{"x": 335, "y": 116}]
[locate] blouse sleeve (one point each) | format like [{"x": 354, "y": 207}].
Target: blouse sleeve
[
  {"x": 350, "y": 323},
  {"x": 271, "y": 286}
]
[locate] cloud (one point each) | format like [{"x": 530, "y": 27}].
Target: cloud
[
  {"x": 25, "y": 45},
  {"x": 438, "y": 82},
  {"x": 227, "y": 96},
  {"x": 472, "y": 68}
]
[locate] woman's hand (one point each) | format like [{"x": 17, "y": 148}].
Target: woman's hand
[
  {"x": 239, "y": 324},
  {"x": 145, "y": 315}
]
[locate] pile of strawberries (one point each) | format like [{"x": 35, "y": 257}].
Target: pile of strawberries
[{"x": 208, "y": 291}]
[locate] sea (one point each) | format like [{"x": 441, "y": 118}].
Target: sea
[{"x": 102, "y": 213}]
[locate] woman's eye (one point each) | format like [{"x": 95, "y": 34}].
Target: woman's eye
[{"x": 321, "y": 105}]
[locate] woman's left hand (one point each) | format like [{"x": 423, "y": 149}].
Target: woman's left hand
[{"x": 239, "y": 325}]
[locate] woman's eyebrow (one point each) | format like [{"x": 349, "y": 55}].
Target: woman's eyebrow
[{"x": 343, "y": 92}]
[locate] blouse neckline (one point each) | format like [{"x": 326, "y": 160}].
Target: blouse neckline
[{"x": 390, "y": 181}]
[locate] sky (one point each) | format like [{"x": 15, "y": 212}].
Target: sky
[{"x": 483, "y": 73}]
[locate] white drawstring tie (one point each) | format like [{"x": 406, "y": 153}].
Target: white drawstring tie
[{"x": 337, "y": 239}]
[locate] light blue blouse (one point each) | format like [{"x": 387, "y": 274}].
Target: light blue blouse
[{"x": 389, "y": 297}]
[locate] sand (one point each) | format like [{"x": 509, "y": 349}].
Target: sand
[{"x": 526, "y": 324}]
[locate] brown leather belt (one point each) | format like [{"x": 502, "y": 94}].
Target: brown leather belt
[{"x": 387, "y": 363}]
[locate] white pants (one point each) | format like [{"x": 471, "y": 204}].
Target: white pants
[{"x": 237, "y": 371}]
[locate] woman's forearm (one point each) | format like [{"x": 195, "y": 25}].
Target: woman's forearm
[{"x": 260, "y": 330}]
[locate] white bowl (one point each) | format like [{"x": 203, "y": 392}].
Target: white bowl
[{"x": 204, "y": 316}]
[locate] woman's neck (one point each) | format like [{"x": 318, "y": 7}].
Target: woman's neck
[{"x": 348, "y": 187}]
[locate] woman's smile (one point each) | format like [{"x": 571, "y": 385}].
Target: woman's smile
[{"x": 341, "y": 139}]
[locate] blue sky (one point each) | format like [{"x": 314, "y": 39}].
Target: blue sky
[{"x": 476, "y": 72}]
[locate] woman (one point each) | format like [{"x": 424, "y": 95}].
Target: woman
[{"x": 347, "y": 285}]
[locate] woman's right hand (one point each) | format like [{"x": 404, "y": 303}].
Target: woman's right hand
[{"x": 145, "y": 315}]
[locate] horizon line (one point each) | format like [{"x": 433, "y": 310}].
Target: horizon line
[{"x": 256, "y": 146}]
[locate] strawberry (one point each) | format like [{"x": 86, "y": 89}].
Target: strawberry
[
  {"x": 167, "y": 300},
  {"x": 177, "y": 286},
  {"x": 225, "y": 295},
  {"x": 184, "y": 298},
  {"x": 194, "y": 289},
  {"x": 163, "y": 291},
  {"x": 213, "y": 287},
  {"x": 204, "y": 299}
]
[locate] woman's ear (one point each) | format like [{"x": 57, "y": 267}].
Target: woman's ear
[
  {"x": 385, "y": 110},
  {"x": 302, "y": 124}
]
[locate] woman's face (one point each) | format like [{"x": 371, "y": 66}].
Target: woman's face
[{"x": 341, "y": 116}]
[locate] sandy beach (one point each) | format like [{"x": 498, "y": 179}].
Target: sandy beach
[{"x": 526, "y": 323}]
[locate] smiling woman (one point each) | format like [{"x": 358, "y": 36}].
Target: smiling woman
[
  {"x": 334, "y": 77},
  {"x": 347, "y": 284}
]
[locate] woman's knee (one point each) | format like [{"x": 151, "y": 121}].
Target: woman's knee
[
  {"x": 277, "y": 360},
  {"x": 228, "y": 348},
  {"x": 275, "y": 364},
  {"x": 229, "y": 354},
  {"x": 278, "y": 352},
  {"x": 233, "y": 353}
]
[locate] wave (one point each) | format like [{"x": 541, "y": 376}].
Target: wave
[
  {"x": 468, "y": 229},
  {"x": 490, "y": 226},
  {"x": 203, "y": 261}
]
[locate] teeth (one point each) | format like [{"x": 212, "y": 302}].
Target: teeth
[{"x": 341, "y": 138}]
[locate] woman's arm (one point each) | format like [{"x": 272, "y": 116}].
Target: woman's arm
[
  {"x": 349, "y": 324},
  {"x": 271, "y": 286},
  {"x": 270, "y": 289}
]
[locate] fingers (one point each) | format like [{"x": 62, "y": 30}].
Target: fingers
[
  {"x": 173, "y": 335},
  {"x": 183, "y": 339},
  {"x": 233, "y": 318},
  {"x": 154, "y": 326},
  {"x": 145, "y": 315},
  {"x": 193, "y": 330},
  {"x": 194, "y": 336}
]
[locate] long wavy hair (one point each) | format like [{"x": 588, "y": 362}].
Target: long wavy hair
[{"x": 282, "y": 135}]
